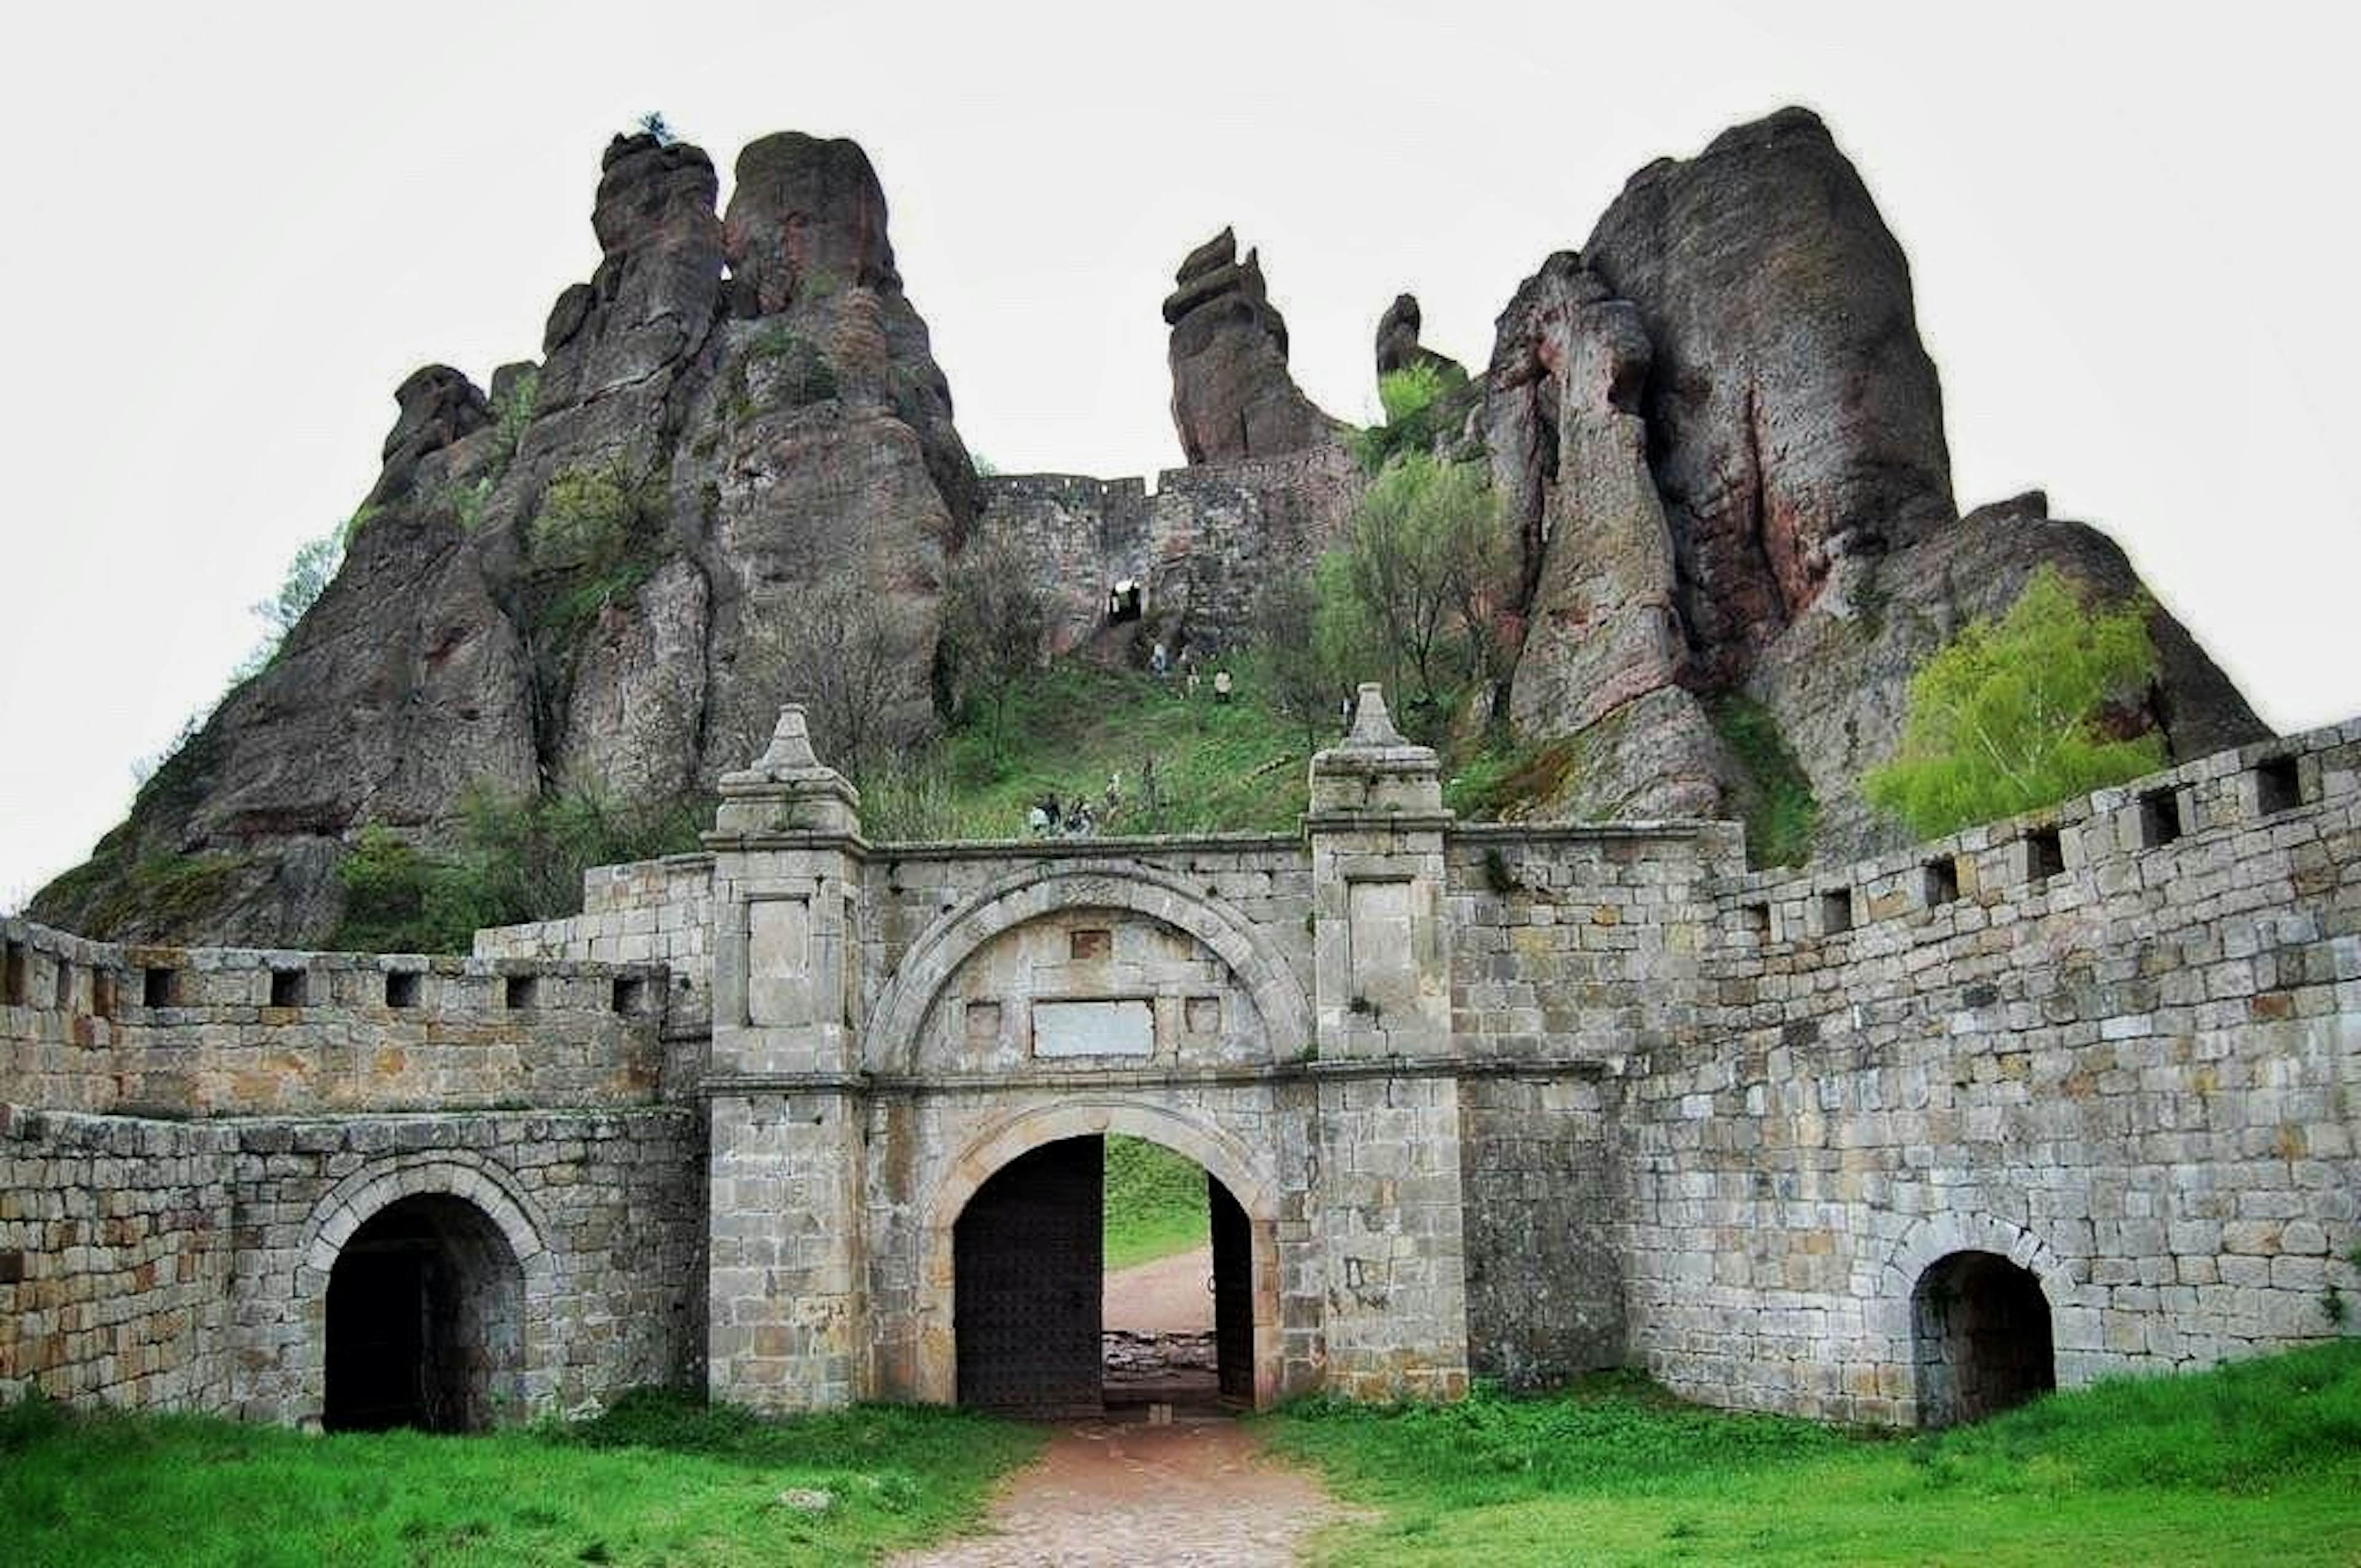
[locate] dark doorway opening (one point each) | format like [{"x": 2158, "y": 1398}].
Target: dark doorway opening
[
  {"x": 425, "y": 1321},
  {"x": 1981, "y": 1333},
  {"x": 1043, "y": 1328}
]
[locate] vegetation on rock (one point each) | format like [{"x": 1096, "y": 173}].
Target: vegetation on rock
[
  {"x": 1415, "y": 588},
  {"x": 517, "y": 860},
  {"x": 2012, "y": 715},
  {"x": 1779, "y": 808}
]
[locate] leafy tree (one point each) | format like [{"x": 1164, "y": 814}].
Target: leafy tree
[
  {"x": 306, "y": 578},
  {"x": 2010, "y": 716},
  {"x": 995, "y": 620},
  {"x": 1417, "y": 571},
  {"x": 1304, "y": 682}
]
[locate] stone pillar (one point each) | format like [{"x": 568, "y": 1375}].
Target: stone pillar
[
  {"x": 1388, "y": 1199},
  {"x": 787, "y": 1324}
]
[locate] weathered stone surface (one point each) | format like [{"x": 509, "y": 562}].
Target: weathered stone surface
[
  {"x": 1602, "y": 631},
  {"x": 1232, "y": 395},
  {"x": 730, "y": 453},
  {"x": 1721, "y": 443},
  {"x": 1398, "y": 345},
  {"x": 1795, "y": 415},
  {"x": 1837, "y": 679}
]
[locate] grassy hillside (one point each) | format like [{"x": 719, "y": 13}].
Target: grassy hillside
[
  {"x": 1155, "y": 1202},
  {"x": 2255, "y": 1462},
  {"x": 1182, "y": 764},
  {"x": 660, "y": 1479}
]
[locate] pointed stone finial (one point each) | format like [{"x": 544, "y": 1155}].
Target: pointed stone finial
[
  {"x": 1372, "y": 724},
  {"x": 788, "y": 788},
  {"x": 1376, "y": 768},
  {"x": 791, "y": 747}
]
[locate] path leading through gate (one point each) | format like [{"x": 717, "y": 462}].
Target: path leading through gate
[{"x": 1126, "y": 1493}]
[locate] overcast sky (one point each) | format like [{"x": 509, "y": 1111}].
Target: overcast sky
[{"x": 232, "y": 229}]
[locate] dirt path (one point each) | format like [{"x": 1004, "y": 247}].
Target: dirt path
[
  {"x": 1128, "y": 1494},
  {"x": 1166, "y": 1296}
]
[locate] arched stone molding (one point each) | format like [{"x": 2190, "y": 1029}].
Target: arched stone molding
[
  {"x": 447, "y": 1173},
  {"x": 889, "y": 1040},
  {"x": 1231, "y": 1163},
  {"x": 1886, "y": 1286}
]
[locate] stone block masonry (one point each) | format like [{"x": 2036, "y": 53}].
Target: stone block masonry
[{"x": 1901, "y": 1141}]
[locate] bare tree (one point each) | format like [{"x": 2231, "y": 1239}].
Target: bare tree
[
  {"x": 850, "y": 656},
  {"x": 995, "y": 622}
]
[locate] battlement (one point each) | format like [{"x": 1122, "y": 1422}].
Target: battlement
[
  {"x": 2198, "y": 820},
  {"x": 162, "y": 1031}
]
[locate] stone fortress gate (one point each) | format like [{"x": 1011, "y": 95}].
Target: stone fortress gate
[{"x": 812, "y": 1119}]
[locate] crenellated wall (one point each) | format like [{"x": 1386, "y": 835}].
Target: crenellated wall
[
  {"x": 2118, "y": 1043},
  {"x": 216, "y": 1031},
  {"x": 1505, "y": 1102}
]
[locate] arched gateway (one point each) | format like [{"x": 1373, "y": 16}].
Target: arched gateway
[{"x": 917, "y": 1051}]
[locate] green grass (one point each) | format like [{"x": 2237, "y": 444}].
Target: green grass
[
  {"x": 2255, "y": 1462},
  {"x": 659, "y": 1479},
  {"x": 1782, "y": 812},
  {"x": 1155, "y": 1202},
  {"x": 1187, "y": 764}
]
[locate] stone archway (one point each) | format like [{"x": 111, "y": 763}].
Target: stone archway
[
  {"x": 425, "y": 1321},
  {"x": 893, "y": 1030},
  {"x": 1897, "y": 1290},
  {"x": 1220, "y": 1156},
  {"x": 449, "y": 1235},
  {"x": 1981, "y": 1338}
]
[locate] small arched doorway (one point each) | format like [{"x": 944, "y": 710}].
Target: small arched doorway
[
  {"x": 1029, "y": 1312},
  {"x": 425, "y": 1321},
  {"x": 1981, "y": 1338}
]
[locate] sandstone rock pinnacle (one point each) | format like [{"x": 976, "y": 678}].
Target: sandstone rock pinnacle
[{"x": 1232, "y": 394}]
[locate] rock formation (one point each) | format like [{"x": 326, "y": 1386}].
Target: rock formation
[
  {"x": 1232, "y": 395},
  {"x": 1742, "y": 323},
  {"x": 1398, "y": 348},
  {"x": 597, "y": 579},
  {"x": 1714, "y": 430},
  {"x": 1603, "y": 635}
]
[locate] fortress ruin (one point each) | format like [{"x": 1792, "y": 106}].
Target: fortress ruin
[{"x": 809, "y": 1119}]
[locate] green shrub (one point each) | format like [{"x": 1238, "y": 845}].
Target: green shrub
[
  {"x": 517, "y": 859},
  {"x": 2011, "y": 716},
  {"x": 1419, "y": 401},
  {"x": 1414, "y": 586},
  {"x": 1781, "y": 811},
  {"x": 804, "y": 374}
]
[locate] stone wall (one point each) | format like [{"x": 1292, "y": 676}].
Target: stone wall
[
  {"x": 116, "y": 1251},
  {"x": 604, "y": 1211},
  {"x": 2117, "y": 1044},
  {"x": 647, "y": 912},
  {"x": 210, "y": 1031},
  {"x": 186, "y": 1267},
  {"x": 1202, "y": 543}
]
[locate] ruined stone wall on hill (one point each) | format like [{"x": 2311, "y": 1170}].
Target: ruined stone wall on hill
[{"x": 1201, "y": 544}]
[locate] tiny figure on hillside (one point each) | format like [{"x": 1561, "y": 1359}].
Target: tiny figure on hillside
[
  {"x": 1112, "y": 797},
  {"x": 1189, "y": 685},
  {"x": 1080, "y": 823},
  {"x": 1221, "y": 685},
  {"x": 1160, "y": 662},
  {"x": 1039, "y": 821}
]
